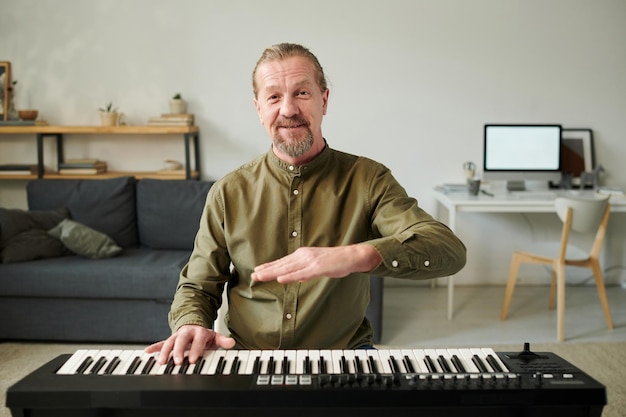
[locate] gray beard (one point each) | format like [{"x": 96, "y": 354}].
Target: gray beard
[{"x": 294, "y": 147}]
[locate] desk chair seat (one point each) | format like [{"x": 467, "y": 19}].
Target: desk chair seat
[{"x": 583, "y": 215}]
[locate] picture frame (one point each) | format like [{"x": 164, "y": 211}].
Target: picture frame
[
  {"x": 578, "y": 153},
  {"x": 5, "y": 84}
]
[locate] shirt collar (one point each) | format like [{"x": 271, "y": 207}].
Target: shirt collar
[{"x": 313, "y": 165}]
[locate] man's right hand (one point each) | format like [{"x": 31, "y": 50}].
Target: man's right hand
[{"x": 190, "y": 337}]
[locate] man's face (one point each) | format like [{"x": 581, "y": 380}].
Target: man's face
[{"x": 291, "y": 107}]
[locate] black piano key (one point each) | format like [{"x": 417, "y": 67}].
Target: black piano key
[
  {"x": 148, "y": 366},
  {"x": 494, "y": 363},
  {"x": 134, "y": 365},
  {"x": 393, "y": 364},
  {"x": 285, "y": 367},
  {"x": 169, "y": 367},
  {"x": 458, "y": 364},
  {"x": 308, "y": 369},
  {"x": 98, "y": 365},
  {"x": 408, "y": 365},
  {"x": 372, "y": 365},
  {"x": 256, "y": 369},
  {"x": 444, "y": 364},
  {"x": 479, "y": 363},
  {"x": 270, "y": 366},
  {"x": 84, "y": 365},
  {"x": 430, "y": 365},
  {"x": 343, "y": 364},
  {"x": 323, "y": 367},
  {"x": 197, "y": 368},
  {"x": 184, "y": 366},
  {"x": 358, "y": 366},
  {"x": 221, "y": 364},
  {"x": 234, "y": 368},
  {"x": 112, "y": 365}
]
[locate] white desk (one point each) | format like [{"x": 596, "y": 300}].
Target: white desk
[{"x": 502, "y": 202}]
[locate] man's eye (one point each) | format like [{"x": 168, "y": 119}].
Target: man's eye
[{"x": 303, "y": 93}]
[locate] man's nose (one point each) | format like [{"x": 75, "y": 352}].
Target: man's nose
[{"x": 289, "y": 107}]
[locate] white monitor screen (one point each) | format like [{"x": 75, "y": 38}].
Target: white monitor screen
[{"x": 523, "y": 148}]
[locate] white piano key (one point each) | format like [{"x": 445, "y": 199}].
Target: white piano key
[
  {"x": 253, "y": 355},
  {"x": 443, "y": 353},
  {"x": 98, "y": 358},
  {"x": 327, "y": 356},
  {"x": 216, "y": 360},
  {"x": 384, "y": 366},
  {"x": 208, "y": 359},
  {"x": 350, "y": 357},
  {"x": 69, "y": 366},
  {"x": 125, "y": 360},
  {"x": 360, "y": 355},
  {"x": 397, "y": 355},
  {"x": 467, "y": 357},
  {"x": 291, "y": 359},
  {"x": 479, "y": 352},
  {"x": 314, "y": 357},
  {"x": 242, "y": 357},
  {"x": 266, "y": 360},
  {"x": 432, "y": 354},
  {"x": 230, "y": 357},
  {"x": 278, "y": 356},
  {"x": 490, "y": 351},
  {"x": 374, "y": 356},
  {"x": 468, "y": 366},
  {"x": 110, "y": 356},
  {"x": 407, "y": 354},
  {"x": 301, "y": 356}
]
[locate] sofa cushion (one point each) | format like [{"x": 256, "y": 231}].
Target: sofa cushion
[
  {"x": 84, "y": 241},
  {"x": 136, "y": 273},
  {"x": 23, "y": 234},
  {"x": 168, "y": 212},
  {"x": 106, "y": 205}
]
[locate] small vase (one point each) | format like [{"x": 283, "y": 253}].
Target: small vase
[
  {"x": 178, "y": 106},
  {"x": 108, "y": 118}
]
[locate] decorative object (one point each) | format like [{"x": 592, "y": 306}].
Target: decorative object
[
  {"x": 578, "y": 154},
  {"x": 171, "y": 165},
  {"x": 5, "y": 87},
  {"x": 177, "y": 104},
  {"x": 28, "y": 114},
  {"x": 109, "y": 115}
]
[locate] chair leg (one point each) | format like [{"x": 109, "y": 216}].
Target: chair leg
[
  {"x": 597, "y": 273},
  {"x": 560, "y": 302},
  {"x": 552, "y": 290},
  {"x": 510, "y": 285}
]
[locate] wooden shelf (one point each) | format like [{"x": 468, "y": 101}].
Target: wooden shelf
[
  {"x": 190, "y": 136},
  {"x": 116, "y": 130}
]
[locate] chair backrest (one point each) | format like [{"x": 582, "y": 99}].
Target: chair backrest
[{"x": 587, "y": 212}]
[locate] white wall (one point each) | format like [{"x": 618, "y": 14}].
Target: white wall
[{"x": 412, "y": 83}]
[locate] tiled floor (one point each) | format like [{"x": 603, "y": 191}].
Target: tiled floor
[{"x": 415, "y": 316}]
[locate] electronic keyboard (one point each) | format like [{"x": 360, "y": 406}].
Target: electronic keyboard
[{"x": 372, "y": 382}]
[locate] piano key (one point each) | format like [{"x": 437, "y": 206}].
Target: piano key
[
  {"x": 289, "y": 363},
  {"x": 314, "y": 358},
  {"x": 242, "y": 357},
  {"x": 466, "y": 355},
  {"x": 350, "y": 359},
  {"x": 208, "y": 359},
  {"x": 374, "y": 362},
  {"x": 231, "y": 362},
  {"x": 489, "y": 352},
  {"x": 303, "y": 362},
  {"x": 445, "y": 361},
  {"x": 69, "y": 367},
  {"x": 384, "y": 365},
  {"x": 267, "y": 362},
  {"x": 479, "y": 358},
  {"x": 125, "y": 360},
  {"x": 253, "y": 362},
  {"x": 431, "y": 360},
  {"x": 361, "y": 358},
  {"x": 326, "y": 362}
]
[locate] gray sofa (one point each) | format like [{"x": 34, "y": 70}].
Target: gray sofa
[{"x": 56, "y": 296}]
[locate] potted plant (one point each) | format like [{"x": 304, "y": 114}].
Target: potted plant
[
  {"x": 177, "y": 104},
  {"x": 108, "y": 115}
]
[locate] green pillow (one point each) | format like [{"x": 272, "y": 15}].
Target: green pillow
[{"x": 85, "y": 241}]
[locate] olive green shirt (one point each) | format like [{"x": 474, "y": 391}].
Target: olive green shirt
[{"x": 267, "y": 209}]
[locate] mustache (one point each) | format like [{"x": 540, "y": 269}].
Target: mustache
[{"x": 291, "y": 122}]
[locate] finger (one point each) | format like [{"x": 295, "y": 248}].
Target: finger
[
  {"x": 198, "y": 345},
  {"x": 224, "y": 342},
  {"x": 155, "y": 347},
  {"x": 166, "y": 349},
  {"x": 180, "y": 346}
]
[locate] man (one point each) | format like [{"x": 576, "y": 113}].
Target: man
[{"x": 296, "y": 232}]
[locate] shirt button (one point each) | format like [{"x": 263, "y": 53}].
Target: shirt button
[
  {"x": 288, "y": 315},
  {"x": 426, "y": 263},
  {"x": 394, "y": 263},
  {"x": 294, "y": 233},
  {"x": 296, "y": 192},
  {"x": 291, "y": 168}
]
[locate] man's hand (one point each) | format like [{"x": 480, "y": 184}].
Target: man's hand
[
  {"x": 309, "y": 263},
  {"x": 190, "y": 337}
]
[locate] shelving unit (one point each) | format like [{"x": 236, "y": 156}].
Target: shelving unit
[{"x": 189, "y": 133}]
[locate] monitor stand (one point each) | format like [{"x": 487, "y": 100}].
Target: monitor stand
[{"x": 515, "y": 185}]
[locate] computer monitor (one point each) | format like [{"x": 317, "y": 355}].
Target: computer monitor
[{"x": 522, "y": 152}]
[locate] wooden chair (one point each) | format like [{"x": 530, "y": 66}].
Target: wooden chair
[{"x": 580, "y": 215}]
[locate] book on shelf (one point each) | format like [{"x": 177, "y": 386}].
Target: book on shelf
[
  {"x": 18, "y": 169},
  {"x": 82, "y": 171},
  {"x": 23, "y": 123},
  {"x": 169, "y": 119},
  {"x": 610, "y": 190},
  {"x": 82, "y": 163}
]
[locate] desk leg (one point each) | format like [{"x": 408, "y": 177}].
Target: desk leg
[{"x": 452, "y": 226}]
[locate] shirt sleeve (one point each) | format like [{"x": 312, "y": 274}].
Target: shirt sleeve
[{"x": 411, "y": 242}]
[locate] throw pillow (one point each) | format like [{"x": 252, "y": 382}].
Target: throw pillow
[
  {"x": 85, "y": 241},
  {"x": 23, "y": 234}
]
